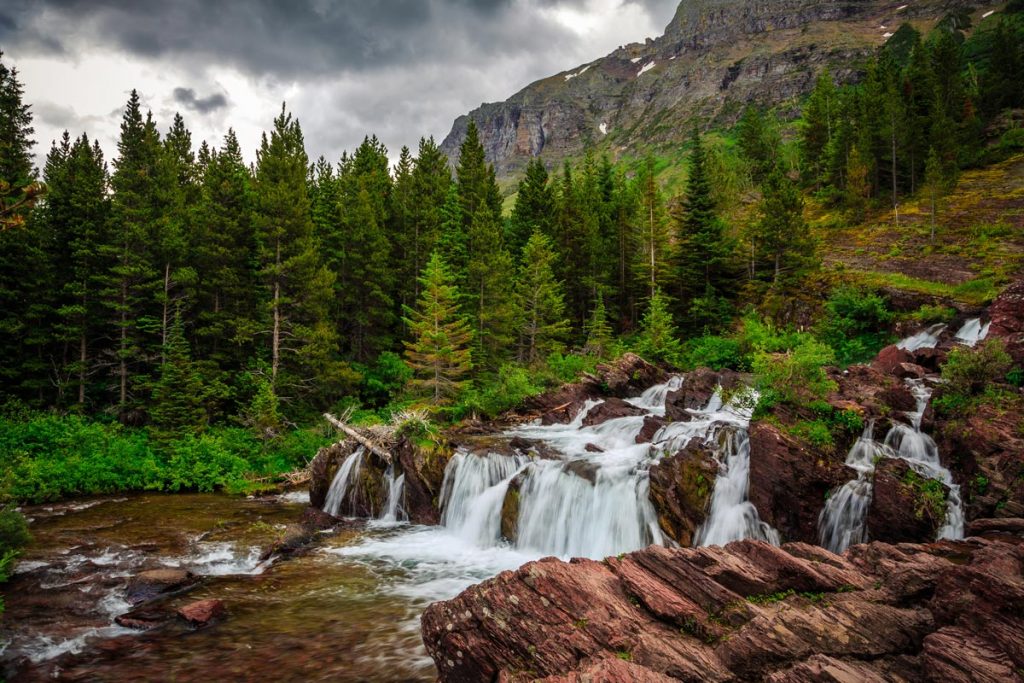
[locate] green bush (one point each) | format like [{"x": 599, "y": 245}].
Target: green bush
[
  {"x": 968, "y": 372},
  {"x": 715, "y": 352},
  {"x": 928, "y": 314},
  {"x": 568, "y": 367},
  {"x": 796, "y": 377},
  {"x": 855, "y": 324},
  {"x": 491, "y": 398}
]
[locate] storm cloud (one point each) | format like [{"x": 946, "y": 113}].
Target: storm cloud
[
  {"x": 398, "y": 68},
  {"x": 186, "y": 97}
]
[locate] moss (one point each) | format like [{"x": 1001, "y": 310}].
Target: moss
[{"x": 929, "y": 495}]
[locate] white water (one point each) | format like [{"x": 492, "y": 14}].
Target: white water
[
  {"x": 347, "y": 474},
  {"x": 972, "y": 332},
  {"x": 842, "y": 520},
  {"x": 395, "y": 487},
  {"x": 925, "y": 339}
]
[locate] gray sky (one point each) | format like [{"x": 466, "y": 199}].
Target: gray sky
[{"x": 398, "y": 68}]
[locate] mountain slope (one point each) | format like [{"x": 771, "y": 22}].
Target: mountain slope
[{"x": 715, "y": 57}]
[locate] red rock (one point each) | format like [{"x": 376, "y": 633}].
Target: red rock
[
  {"x": 1007, "y": 316},
  {"x": 155, "y": 583},
  {"x": 697, "y": 389},
  {"x": 652, "y": 424},
  {"x": 747, "y": 611},
  {"x": 203, "y": 612},
  {"x": 681, "y": 487},
  {"x": 898, "y": 512},
  {"x": 930, "y": 359},
  {"x": 789, "y": 481},
  {"x": 909, "y": 371},
  {"x": 890, "y": 358},
  {"x": 610, "y": 409}
]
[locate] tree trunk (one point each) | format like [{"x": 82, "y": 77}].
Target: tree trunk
[
  {"x": 275, "y": 351},
  {"x": 81, "y": 368},
  {"x": 163, "y": 329},
  {"x": 124, "y": 335}
]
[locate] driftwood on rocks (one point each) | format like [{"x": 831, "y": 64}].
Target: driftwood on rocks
[{"x": 366, "y": 443}]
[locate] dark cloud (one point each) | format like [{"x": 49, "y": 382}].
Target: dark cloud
[{"x": 186, "y": 97}]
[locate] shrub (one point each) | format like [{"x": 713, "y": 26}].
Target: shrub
[
  {"x": 712, "y": 351},
  {"x": 797, "y": 376},
  {"x": 384, "y": 380},
  {"x": 568, "y": 367},
  {"x": 968, "y": 372},
  {"x": 513, "y": 384},
  {"x": 855, "y": 324}
]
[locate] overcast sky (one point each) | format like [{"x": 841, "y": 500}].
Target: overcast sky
[{"x": 398, "y": 68}]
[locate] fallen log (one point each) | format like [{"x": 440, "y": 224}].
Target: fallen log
[{"x": 359, "y": 438}]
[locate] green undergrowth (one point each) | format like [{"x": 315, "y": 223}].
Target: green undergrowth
[
  {"x": 929, "y": 495},
  {"x": 48, "y": 457}
]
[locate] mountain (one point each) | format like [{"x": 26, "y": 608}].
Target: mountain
[{"x": 715, "y": 57}]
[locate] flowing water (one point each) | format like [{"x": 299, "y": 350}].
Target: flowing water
[
  {"x": 349, "y": 609},
  {"x": 972, "y": 332},
  {"x": 925, "y": 339},
  {"x": 842, "y": 521}
]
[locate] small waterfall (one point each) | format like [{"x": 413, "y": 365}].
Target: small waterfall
[
  {"x": 395, "y": 487},
  {"x": 972, "y": 332},
  {"x": 347, "y": 474},
  {"x": 842, "y": 521},
  {"x": 733, "y": 517},
  {"x": 473, "y": 490},
  {"x": 925, "y": 339}
]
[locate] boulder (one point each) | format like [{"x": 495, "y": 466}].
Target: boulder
[
  {"x": 789, "y": 481},
  {"x": 610, "y": 409},
  {"x": 909, "y": 371},
  {"x": 1007, "y": 316},
  {"x": 156, "y": 583},
  {"x": 980, "y": 527},
  {"x": 145, "y": 618},
  {"x": 652, "y": 424},
  {"x": 628, "y": 376},
  {"x": 890, "y": 358},
  {"x": 746, "y": 611},
  {"x": 930, "y": 359},
  {"x": 423, "y": 466},
  {"x": 905, "y": 506},
  {"x": 510, "y": 509},
  {"x": 878, "y": 394},
  {"x": 680, "y": 490},
  {"x": 696, "y": 392},
  {"x": 203, "y": 612}
]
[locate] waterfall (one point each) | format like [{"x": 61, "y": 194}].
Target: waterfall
[
  {"x": 733, "y": 517},
  {"x": 972, "y": 332},
  {"x": 473, "y": 490},
  {"x": 347, "y": 474},
  {"x": 395, "y": 487},
  {"x": 842, "y": 521},
  {"x": 925, "y": 339}
]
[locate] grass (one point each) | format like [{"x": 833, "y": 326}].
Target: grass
[{"x": 979, "y": 291}]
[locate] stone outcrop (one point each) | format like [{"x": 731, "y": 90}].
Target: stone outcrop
[
  {"x": 697, "y": 390},
  {"x": 715, "y": 57},
  {"x": 789, "y": 482},
  {"x": 628, "y": 376},
  {"x": 155, "y": 583},
  {"x": 1007, "y": 316},
  {"x": 904, "y": 507},
  {"x": 203, "y": 612},
  {"x": 681, "y": 487},
  {"x": 748, "y": 611},
  {"x": 610, "y": 409}
]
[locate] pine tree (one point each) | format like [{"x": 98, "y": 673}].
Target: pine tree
[
  {"x": 228, "y": 318},
  {"x": 816, "y": 129},
  {"x": 534, "y": 208},
  {"x": 759, "y": 142},
  {"x": 541, "y": 305},
  {"x": 781, "y": 234},
  {"x": 658, "y": 339},
  {"x": 599, "y": 332},
  {"x": 297, "y": 287},
  {"x": 439, "y": 353},
  {"x": 129, "y": 292},
  {"x": 490, "y": 275},
  {"x": 475, "y": 179},
  {"x": 702, "y": 264},
  {"x": 403, "y": 230},
  {"x": 654, "y": 258},
  {"x": 77, "y": 215},
  {"x": 16, "y": 171},
  {"x": 431, "y": 180},
  {"x": 178, "y": 393}
]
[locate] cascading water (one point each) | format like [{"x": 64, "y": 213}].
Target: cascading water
[
  {"x": 346, "y": 475},
  {"x": 972, "y": 332},
  {"x": 842, "y": 521},
  {"x": 925, "y": 339},
  {"x": 395, "y": 487}
]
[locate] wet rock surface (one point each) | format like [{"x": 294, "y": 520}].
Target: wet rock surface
[
  {"x": 904, "y": 507},
  {"x": 697, "y": 390},
  {"x": 203, "y": 612},
  {"x": 681, "y": 487},
  {"x": 748, "y": 611},
  {"x": 789, "y": 481},
  {"x": 1007, "y": 316},
  {"x": 610, "y": 409}
]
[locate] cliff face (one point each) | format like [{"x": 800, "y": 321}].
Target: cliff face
[{"x": 715, "y": 57}]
